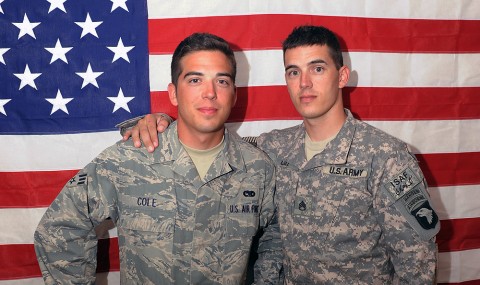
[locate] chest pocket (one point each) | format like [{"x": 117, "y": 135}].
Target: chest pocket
[
  {"x": 148, "y": 208},
  {"x": 354, "y": 229},
  {"x": 242, "y": 208}
]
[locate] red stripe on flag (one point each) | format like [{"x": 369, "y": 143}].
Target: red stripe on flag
[
  {"x": 439, "y": 170},
  {"x": 357, "y": 34},
  {"x": 458, "y": 235},
  {"x": 32, "y": 188},
  {"x": 273, "y": 103},
  {"x": 470, "y": 282},
  {"x": 448, "y": 169},
  {"x": 19, "y": 260}
]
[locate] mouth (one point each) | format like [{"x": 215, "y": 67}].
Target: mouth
[
  {"x": 307, "y": 98},
  {"x": 207, "y": 110}
]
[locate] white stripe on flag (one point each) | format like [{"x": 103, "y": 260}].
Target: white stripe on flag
[
  {"x": 456, "y": 202},
  {"x": 395, "y": 9},
  {"x": 396, "y": 69},
  {"x": 20, "y": 231},
  {"x": 458, "y": 266},
  {"x": 65, "y": 152},
  {"x": 105, "y": 278}
]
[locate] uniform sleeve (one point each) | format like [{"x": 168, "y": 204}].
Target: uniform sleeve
[
  {"x": 409, "y": 221},
  {"x": 65, "y": 240},
  {"x": 268, "y": 267}
]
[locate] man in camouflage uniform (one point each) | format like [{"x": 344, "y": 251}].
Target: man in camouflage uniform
[
  {"x": 174, "y": 225},
  {"x": 353, "y": 202}
]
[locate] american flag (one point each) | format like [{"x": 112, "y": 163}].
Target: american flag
[{"x": 70, "y": 70}]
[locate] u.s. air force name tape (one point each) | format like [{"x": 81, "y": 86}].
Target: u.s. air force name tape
[{"x": 410, "y": 197}]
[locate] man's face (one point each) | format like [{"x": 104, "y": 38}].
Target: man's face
[
  {"x": 313, "y": 81},
  {"x": 205, "y": 93}
]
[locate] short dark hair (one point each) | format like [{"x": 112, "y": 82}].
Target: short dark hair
[
  {"x": 201, "y": 42},
  {"x": 314, "y": 35}
]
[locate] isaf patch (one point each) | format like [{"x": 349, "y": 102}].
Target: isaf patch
[
  {"x": 79, "y": 179},
  {"x": 402, "y": 183}
]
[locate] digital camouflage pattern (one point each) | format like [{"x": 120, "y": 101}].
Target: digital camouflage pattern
[
  {"x": 356, "y": 213},
  {"x": 173, "y": 228}
]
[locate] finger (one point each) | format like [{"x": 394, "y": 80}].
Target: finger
[
  {"x": 127, "y": 134},
  {"x": 135, "y": 133},
  {"x": 148, "y": 132}
]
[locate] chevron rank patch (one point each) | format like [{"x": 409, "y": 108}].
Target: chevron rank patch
[
  {"x": 303, "y": 206},
  {"x": 79, "y": 179}
]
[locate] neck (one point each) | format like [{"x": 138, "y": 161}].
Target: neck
[
  {"x": 326, "y": 126},
  {"x": 200, "y": 141}
]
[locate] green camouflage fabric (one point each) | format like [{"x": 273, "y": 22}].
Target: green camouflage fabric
[
  {"x": 173, "y": 227},
  {"x": 356, "y": 213}
]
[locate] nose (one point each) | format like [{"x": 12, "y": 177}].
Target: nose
[
  {"x": 210, "y": 91},
  {"x": 305, "y": 81}
]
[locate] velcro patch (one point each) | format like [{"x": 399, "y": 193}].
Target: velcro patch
[
  {"x": 402, "y": 183},
  {"x": 303, "y": 206},
  {"x": 345, "y": 171}
]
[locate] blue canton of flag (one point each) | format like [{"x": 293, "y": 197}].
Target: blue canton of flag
[{"x": 71, "y": 66}]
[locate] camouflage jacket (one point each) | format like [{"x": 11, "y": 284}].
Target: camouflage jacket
[
  {"x": 356, "y": 213},
  {"x": 173, "y": 228}
]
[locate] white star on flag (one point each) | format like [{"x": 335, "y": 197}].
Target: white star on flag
[
  {"x": 120, "y": 101},
  {"x": 89, "y": 77},
  {"x": 1, "y": 10},
  {"x": 59, "y": 103},
  {"x": 58, "y": 52},
  {"x": 56, "y": 4},
  {"x": 2, "y": 103},
  {"x": 88, "y": 26},
  {"x": 2, "y": 52},
  {"x": 26, "y": 27},
  {"x": 121, "y": 51},
  {"x": 27, "y": 78},
  {"x": 119, "y": 4}
]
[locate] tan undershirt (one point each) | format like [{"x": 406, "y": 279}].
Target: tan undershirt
[
  {"x": 203, "y": 158},
  {"x": 312, "y": 148}
]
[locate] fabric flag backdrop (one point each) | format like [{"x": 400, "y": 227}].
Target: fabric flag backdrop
[{"x": 70, "y": 70}]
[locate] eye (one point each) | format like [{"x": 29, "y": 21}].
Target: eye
[
  {"x": 224, "y": 81},
  {"x": 293, "y": 73},
  {"x": 318, "y": 69},
  {"x": 194, "y": 80}
]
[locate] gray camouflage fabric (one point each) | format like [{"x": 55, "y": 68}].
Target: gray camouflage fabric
[
  {"x": 173, "y": 228},
  {"x": 356, "y": 213}
]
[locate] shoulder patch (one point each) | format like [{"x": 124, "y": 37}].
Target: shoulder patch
[
  {"x": 79, "y": 179},
  {"x": 414, "y": 205},
  {"x": 402, "y": 183}
]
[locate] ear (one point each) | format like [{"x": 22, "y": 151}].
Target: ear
[
  {"x": 172, "y": 94},
  {"x": 344, "y": 75}
]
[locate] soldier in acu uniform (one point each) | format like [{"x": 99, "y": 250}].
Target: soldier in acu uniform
[{"x": 186, "y": 213}]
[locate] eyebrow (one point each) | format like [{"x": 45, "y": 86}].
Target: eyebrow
[
  {"x": 316, "y": 61},
  {"x": 196, "y": 73}
]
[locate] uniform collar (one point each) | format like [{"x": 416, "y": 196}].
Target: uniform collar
[
  {"x": 171, "y": 152},
  {"x": 336, "y": 151}
]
